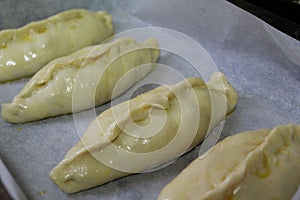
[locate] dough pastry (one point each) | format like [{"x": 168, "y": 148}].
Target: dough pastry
[
  {"x": 91, "y": 72},
  {"x": 124, "y": 148},
  {"x": 263, "y": 164},
  {"x": 25, "y": 50}
]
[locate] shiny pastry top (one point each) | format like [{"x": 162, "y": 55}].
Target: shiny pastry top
[
  {"x": 147, "y": 131},
  {"x": 25, "y": 50},
  {"x": 81, "y": 80}
]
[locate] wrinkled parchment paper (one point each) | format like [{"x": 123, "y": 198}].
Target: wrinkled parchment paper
[{"x": 262, "y": 63}]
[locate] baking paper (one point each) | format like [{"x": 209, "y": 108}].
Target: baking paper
[{"x": 261, "y": 63}]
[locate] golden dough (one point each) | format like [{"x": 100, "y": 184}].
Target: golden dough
[
  {"x": 81, "y": 80},
  {"x": 125, "y": 147},
  {"x": 25, "y": 50},
  {"x": 263, "y": 164}
]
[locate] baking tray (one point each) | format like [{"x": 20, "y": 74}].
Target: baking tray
[{"x": 262, "y": 63}]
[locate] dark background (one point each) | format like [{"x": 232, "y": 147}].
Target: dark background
[{"x": 281, "y": 14}]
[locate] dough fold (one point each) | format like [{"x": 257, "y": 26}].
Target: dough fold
[
  {"x": 25, "y": 50},
  {"x": 82, "y": 80},
  {"x": 262, "y": 164},
  {"x": 145, "y": 132}
]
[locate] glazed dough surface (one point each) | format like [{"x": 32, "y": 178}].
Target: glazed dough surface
[
  {"x": 81, "y": 80},
  {"x": 263, "y": 164},
  {"x": 25, "y": 50},
  {"x": 112, "y": 133}
]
